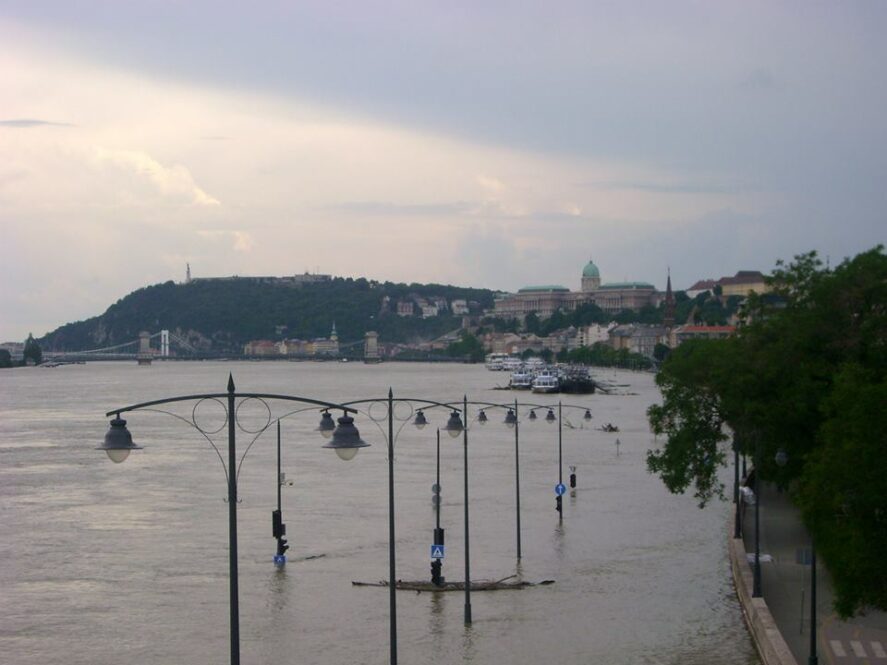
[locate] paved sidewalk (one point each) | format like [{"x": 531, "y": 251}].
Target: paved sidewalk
[{"x": 786, "y": 587}]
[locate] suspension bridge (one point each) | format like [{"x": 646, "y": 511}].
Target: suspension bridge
[
  {"x": 165, "y": 345},
  {"x": 144, "y": 348}
]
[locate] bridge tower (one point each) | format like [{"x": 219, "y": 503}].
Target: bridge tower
[
  {"x": 164, "y": 343},
  {"x": 144, "y": 355},
  {"x": 371, "y": 348}
]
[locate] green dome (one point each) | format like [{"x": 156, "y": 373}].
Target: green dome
[{"x": 590, "y": 270}]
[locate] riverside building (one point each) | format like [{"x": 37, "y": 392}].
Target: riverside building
[{"x": 545, "y": 300}]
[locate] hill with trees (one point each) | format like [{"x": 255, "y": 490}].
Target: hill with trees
[{"x": 222, "y": 315}]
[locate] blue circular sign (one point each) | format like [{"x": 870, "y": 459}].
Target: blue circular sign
[{"x": 560, "y": 489}]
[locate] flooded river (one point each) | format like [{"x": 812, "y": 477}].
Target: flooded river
[{"x": 104, "y": 563}]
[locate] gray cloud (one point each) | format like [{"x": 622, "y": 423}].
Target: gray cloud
[
  {"x": 684, "y": 187},
  {"x": 760, "y": 79},
  {"x": 32, "y": 122},
  {"x": 383, "y": 208}
]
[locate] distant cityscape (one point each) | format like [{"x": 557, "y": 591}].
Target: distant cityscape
[
  {"x": 628, "y": 305},
  {"x": 541, "y": 301}
]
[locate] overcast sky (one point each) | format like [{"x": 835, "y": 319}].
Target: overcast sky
[{"x": 491, "y": 144}]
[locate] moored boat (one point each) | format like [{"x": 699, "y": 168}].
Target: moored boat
[
  {"x": 576, "y": 380},
  {"x": 495, "y": 361},
  {"x": 546, "y": 381},
  {"x": 521, "y": 380}
]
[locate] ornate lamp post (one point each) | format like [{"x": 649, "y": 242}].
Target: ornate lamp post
[
  {"x": 391, "y": 436},
  {"x": 118, "y": 443},
  {"x": 511, "y": 420},
  {"x": 550, "y": 418}
]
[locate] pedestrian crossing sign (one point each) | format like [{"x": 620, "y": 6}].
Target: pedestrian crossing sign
[{"x": 437, "y": 551}]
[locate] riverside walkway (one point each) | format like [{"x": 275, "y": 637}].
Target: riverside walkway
[{"x": 786, "y": 587}]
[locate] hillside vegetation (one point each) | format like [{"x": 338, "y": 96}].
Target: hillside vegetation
[{"x": 222, "y": 315}]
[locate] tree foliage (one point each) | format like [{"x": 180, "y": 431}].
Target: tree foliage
[
  {"x": 468, "y": 347},
  {"x": 32, "y": 352},
  {"x": 805, "y": 374},
  {"x": 225, "y": 314},
  {"x": 601, "y": 354}
]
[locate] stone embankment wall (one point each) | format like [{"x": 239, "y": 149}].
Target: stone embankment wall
[{"x": 769, "y": 641}]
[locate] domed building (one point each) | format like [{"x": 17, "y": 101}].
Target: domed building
[
  {"x": 591, "y": 277},
  {"x": 545, "y": 300}
]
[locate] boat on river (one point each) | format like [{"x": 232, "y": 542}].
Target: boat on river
[
  {"x": 495, "y": 361},
  {"x": 546, "y": 381},
  {"x": 521, "y": 380},
  {"x": 576, "y": 381}
]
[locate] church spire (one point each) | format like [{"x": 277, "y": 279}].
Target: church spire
[{"x": 668, "y": 315}]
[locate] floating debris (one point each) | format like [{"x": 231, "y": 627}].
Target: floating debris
[{"x": 505, "y": 583}]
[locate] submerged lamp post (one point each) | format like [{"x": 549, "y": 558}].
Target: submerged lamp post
[
  {"x": 454, "y": 428},
  {"x": 278, "y": 528},
  {"x": 511, "y": 421},
  {"x": 550, "y": 418},
  {"x": 118, "y": 443},
  {"x": 343, "y": 439}
]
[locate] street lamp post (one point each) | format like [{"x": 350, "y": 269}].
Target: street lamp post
[
  {"x": 517, "y": 475},
  {"x": 392, "y": 601},
  {"x": 436, "y": 578},
  {"x": 737, "y": 521},
  {"x": 512, "y": 420},
  {"x": 560, "y": 461},
  {"x": 812, "y": 658},
  {"x": 467, "y": 557},
  {"x": 118, "y": 443},
  {"x": 391, "y": 437},
  {"x": 550, "y": 418},
  {"x": 756, "y": 578},
  {"x": 278, "y": 526}
]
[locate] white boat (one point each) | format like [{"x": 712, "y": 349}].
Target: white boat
[
  {"x": 512, "y": 364},
  {"x": 534, "y": 364},
  {"x": 495, "y": 361},
  {"x": 546, "y": 381},
  {"x": 521, "y": 380}
]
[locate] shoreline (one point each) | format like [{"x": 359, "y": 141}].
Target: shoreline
[{"x": 769, "y": 642}]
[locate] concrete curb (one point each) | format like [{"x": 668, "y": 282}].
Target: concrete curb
[{"x": 768, "y": 640}]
